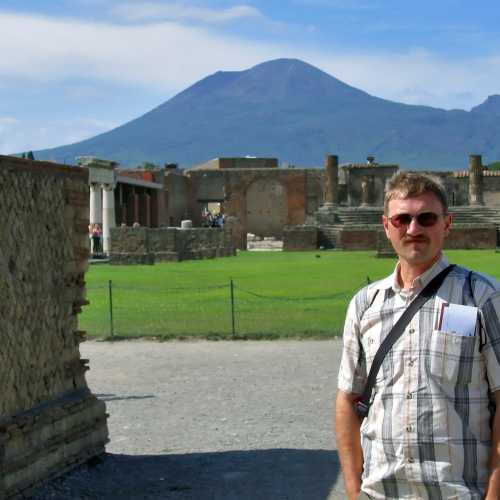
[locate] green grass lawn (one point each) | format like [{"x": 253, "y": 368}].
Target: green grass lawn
[{"x": 276, "y": 294}]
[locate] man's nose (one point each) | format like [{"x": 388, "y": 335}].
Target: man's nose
[{"x": 414, "y": 227}]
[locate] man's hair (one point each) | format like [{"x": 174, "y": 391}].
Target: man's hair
[{"x": 411, "y": 184}]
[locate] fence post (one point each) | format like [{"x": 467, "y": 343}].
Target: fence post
[
  {"x": 111, "y": 329},
  {"x": 233, "y": 330}
]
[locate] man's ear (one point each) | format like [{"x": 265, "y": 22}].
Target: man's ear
[
  {"x": 385, "y": 222},
  {"x": 448, "y": 219}
]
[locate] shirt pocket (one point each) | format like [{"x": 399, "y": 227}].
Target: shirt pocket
[{"x": 454, "y": 358}]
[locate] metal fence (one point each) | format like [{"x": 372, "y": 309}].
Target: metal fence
[{"x": 218, "y": 311}]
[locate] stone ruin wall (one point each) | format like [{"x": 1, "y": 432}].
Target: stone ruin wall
[
  {"x": 144, "y": 245},
  {"x": 461, "y": 237},
  {"x": 260, "y": 200},
  {"x": 269, "y": 201},
  {"x": 49, "y": 420}
]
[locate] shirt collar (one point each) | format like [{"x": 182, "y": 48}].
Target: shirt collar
[{"x": 418, "y": 283}]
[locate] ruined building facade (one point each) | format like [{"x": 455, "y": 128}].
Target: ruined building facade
[{"x": 266, "y": 200}]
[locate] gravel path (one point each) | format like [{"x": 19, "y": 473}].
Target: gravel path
[{"x": 212, "y": 420}]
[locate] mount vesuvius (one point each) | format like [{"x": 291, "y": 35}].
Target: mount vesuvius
[{"x": 289, "y": 109}]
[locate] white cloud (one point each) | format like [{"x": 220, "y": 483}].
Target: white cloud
[
  {"x": 164, "y": 55},
  {"x": 7, "y": 121},
  {"x": 418, "y": 77},
  {"x": 175, "y": 11},
  {"x": 168, "y": 56},
  {"x": 341, "y": 4}
]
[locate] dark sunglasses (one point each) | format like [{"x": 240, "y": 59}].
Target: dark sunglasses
[{"x": 424, "y": 219}]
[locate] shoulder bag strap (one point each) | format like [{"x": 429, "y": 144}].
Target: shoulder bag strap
[{"x": 362, "y": 404}]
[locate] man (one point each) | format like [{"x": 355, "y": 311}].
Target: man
[{"x": 432, "y": 431}]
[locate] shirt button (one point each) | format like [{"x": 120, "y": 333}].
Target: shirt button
[
  {"x": 409, "y": 395},
  {"x": 371, "y": 341},
  {"x": 410, "y": 460},
  {"x": 411, "y": 330},
  {"x": 411, "y": 362},
  {"x": 409, "y": 428}
]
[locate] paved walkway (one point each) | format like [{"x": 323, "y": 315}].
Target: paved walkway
[{"x": 212, "y": 420}]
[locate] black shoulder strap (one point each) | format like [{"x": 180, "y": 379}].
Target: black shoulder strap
[{"x": 364, "y": 401}]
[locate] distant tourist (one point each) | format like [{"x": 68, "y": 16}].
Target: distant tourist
[
  {"x": 136, "y": 224},
  {"x": 96, "y": 236}
]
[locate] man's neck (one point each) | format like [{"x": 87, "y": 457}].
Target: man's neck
[{"x": 408, "y": 272}]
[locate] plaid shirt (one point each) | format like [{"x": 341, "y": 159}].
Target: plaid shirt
[{"x": 427, "y": 434}]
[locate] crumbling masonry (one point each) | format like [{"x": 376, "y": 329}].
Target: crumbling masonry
[{"x": 49, "y": 420}]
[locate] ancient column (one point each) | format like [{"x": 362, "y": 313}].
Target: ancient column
[
  {"x": 95, "y": 215},
  {"x": 332, "y": 180},
  {"x": 475, "y": 180},
  {"x": 108, "y": 216}
]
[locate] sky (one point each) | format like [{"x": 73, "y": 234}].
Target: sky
[{"x": 71, "y": 69}]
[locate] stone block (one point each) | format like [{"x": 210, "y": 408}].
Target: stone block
[
  {"x": 358, "y": 238},
  {"x": 472, "y": 236},
  {"x": 299, "y": 238}
]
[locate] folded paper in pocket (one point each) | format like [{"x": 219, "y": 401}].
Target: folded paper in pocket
[{"x": 459, "y": 319}]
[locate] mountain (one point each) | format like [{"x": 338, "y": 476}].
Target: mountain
[{"x": 289, "y": 109}]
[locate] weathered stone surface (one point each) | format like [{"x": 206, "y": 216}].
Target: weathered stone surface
[
  {"x": 354, "y": 238},
  {"x": 263, "y": 200},
  {"x": 49, "y": 420},
  {"x": 300, "y": 238},
  {"x": 150, "y": 245},
  {"x": 472, "y": 236}
]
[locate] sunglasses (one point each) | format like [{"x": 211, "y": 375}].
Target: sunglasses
[{"x": 424, "y": 219}]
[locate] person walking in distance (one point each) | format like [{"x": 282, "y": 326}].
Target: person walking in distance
[{"x": 426, "y": 425}]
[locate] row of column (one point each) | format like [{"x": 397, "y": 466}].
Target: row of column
[
  {"x": 102, "y": 211},
  {"x": 331, "y": 182}
]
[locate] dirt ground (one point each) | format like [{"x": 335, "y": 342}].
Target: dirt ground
[{"x": 211, "y": 420}]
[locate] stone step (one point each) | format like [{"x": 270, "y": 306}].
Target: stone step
[
  {"x": 362, "y": 216},
  {"x": 480, "y": 215}
]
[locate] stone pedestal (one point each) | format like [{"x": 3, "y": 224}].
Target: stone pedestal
[{"x": 300, "y": 238}]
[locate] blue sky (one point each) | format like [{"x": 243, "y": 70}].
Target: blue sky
[{"x": 70, "y": 69}]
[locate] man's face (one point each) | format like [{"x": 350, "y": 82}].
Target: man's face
[{"x": 414, "y": 243}]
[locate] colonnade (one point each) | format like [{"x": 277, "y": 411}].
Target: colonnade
[
  {"x": 102, "y": 210},
  {"x": 367, "y": 184}
]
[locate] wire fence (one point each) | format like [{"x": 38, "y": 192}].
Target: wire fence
[{"x": 218, "y": 311}]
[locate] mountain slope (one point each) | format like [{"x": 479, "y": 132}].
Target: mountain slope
[{"x": 296, "y": 112}]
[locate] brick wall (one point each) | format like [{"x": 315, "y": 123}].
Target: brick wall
[
  {"x": 462, "y": 236},
  {"x": 471, "y": 236},
  {"x": 49, "y": 419}
]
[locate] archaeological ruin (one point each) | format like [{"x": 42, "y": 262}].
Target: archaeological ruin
[
  {"x": 338, "y": 206},
  {"x": 49, "y": 419}
]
